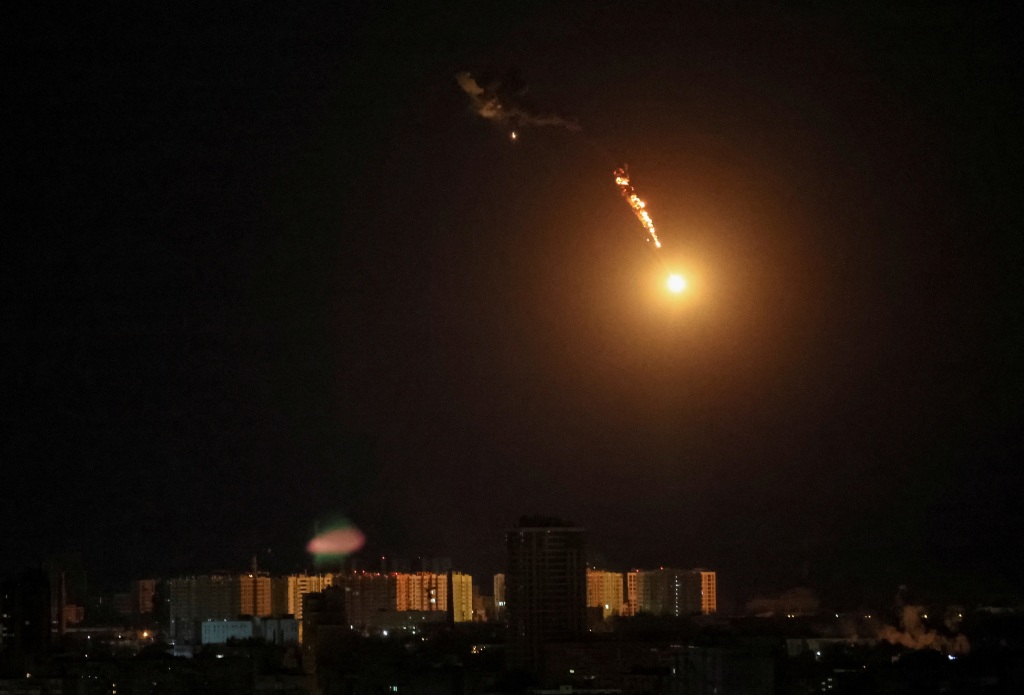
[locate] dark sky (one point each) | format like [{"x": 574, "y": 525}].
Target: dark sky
[{"x": 263, "y": 266}]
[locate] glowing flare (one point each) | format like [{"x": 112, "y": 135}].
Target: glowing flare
[
  {"x": 676, "y": 283},
  {"x": 629, "y": 193}
]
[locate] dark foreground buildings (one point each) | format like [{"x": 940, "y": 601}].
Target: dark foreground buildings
[
  {"x": 24, "y": 622},
  {"x": 546, "y": 588}
]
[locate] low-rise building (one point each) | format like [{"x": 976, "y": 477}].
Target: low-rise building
[{"x": 274, "y": 630}]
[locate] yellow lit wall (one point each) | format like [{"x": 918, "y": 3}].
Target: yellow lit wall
[{"x": 604, "y": 590}]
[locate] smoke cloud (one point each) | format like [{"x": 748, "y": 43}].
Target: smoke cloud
[
  {"x": 500, "y": 98},
  {"x": 916, "y": 635}
]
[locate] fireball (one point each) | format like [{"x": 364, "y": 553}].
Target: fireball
[{"x": 676, "y": 283}]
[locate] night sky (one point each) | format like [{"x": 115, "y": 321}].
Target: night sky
[{"x": 263, "y": 266}]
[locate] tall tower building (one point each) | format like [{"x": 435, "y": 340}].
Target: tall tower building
[
  {"x": 499, "y": 596},
  {"x": 676, "y": 592},
  {"x": 254, "y": 594},
  {"x": 143, "y": 592},
  {"x": 68, "y": 586},
  {"x": 279, "y": 598},
  {"x": 301, "y": 584},
  {"x": 421, "y": 591},
  {"x": 545, "y": 586},
  {"x": 708, "y": 591},
  {"x": 451, "y": 592},
  {"x": 460, "y": 597},
  {"x": 25, "y": 620},
  {"x": 604, "y": 591},
  {"x": 198, "y": 598},
  {"x": 367, "y": 594},
  {"x": 632, "y": 605}
]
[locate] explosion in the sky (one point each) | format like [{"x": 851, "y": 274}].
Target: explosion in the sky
[
  {"x": 676, "y": 283},
  {"x": 501, "y": 98},
  {"x": 340, "y": 539},
  {"x": 639, "y": 206}
]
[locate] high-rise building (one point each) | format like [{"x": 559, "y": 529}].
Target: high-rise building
[
  {"x": 301, "y": 584},
  {"x": 450, "y": 592},
  {"x": 254, "y": 594},
  {"x": 708, "y": 591},
  {"x": 632, "y": 605},
  {"x": 604, "y": 591},
  {"x": 460, "y": 597},
  {"x": 483, "y": 606},
  {"x": 25, "y": 619},
  {"x": 499, "y": 596},
  {"x": 198, "y": 598},
  {"x": 370, "y": 597},
  {"x": 366, "y": 594},
  {"x": 68, "y": 586},
  {"x": 124, "y": 605},
  {"x": 421, "y": 591},
  {"x": 546, "y": 588},
  {"x": 323, "y": 614},
  {"x": 73, "y": 614},
  {"x": 676, "y": 592},
  {"x": 279, "y": 597},
  {"x": 143, "y": 591}
]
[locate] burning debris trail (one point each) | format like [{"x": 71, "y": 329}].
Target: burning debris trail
[
  {"x": 676, "y": 283},
  {"x": 639, "y": 206},
  {"x": 500, "y": 98}
]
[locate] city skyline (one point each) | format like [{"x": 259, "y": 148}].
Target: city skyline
[
  {"x": 269, "y": 270},
  {"x": 73, "y": 571},
  {"x": 368, "y": 619}
]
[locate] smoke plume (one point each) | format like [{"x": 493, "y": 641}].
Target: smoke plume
[
  {"x": 916, "y": 635},
  {"x": 500, "y": 98}
]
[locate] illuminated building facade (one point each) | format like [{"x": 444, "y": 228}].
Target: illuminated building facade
[
  {"x": 460, "y": 597},
  {"x": 421, "y": 591},
  {"x": 254, "y": 594},
  {"x": 708, "y": 591},
  {"x": 450, "y": 592},
  {"x": 676, "y": 592},
  {"x": 546, "y": 588},
  {"x": 604, "y": 591},
  {"x": 298, "y": 585}
]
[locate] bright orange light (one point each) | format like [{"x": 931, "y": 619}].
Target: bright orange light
[
  {"x": 676, "y": 283},
  {"x": 629, "y": 193},
  {"x": 513, "y": 135}
]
